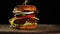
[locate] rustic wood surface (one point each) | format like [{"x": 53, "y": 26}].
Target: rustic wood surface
[{"x": 42, "y": 28}]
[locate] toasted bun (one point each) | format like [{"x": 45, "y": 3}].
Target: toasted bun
[
  {"x": 27, "y": 8},
  {"x": 27, "y": 27}
]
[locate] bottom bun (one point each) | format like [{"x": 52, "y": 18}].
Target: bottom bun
[{"x": 27, "y": 27}]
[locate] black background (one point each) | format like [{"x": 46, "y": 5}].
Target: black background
[{"x": 45, "y": 15}]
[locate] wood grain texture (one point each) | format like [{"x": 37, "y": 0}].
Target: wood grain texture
[{"x": 41, "y": 29}]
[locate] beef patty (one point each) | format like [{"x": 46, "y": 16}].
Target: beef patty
[{"x": 22, "y": 21}]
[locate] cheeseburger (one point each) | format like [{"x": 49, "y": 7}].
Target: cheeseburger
[{"x": 24, "y": 17}]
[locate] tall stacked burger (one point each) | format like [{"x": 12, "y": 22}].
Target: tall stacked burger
[{"x": 24, "y": 17}]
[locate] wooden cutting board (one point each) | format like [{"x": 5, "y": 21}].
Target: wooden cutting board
[{"x": 42, "y": 28}]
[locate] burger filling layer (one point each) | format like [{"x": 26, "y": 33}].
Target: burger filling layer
[{"x": 23, "y": 22}]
